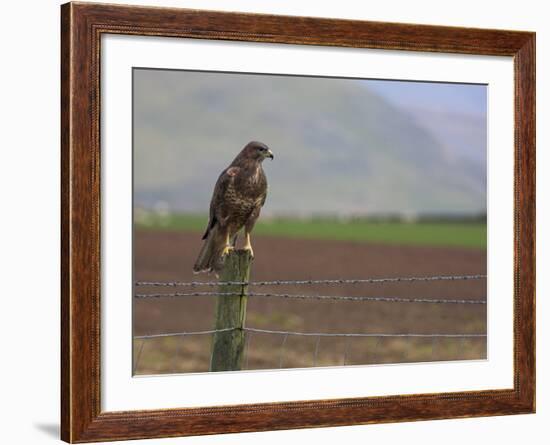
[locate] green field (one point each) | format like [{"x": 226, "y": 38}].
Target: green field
[{"x": 459, "y": 234}]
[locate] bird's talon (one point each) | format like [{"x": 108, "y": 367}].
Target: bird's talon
[
  {"x": 227, "y": 250},
  {"x": 249, "y": 249}
]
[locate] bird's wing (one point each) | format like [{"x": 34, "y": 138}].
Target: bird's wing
[{"x": 218, "y": 196}]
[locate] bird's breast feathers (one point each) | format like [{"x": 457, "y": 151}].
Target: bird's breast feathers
[{"x": 245, "y": 190}]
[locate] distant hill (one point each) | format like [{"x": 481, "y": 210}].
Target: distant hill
[{"x": 339, "y": 148}]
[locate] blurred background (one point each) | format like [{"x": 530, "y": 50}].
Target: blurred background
[{"x": 371, "y": 178}]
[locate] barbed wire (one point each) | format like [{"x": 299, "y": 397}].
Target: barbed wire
[
  {"x": 310, "y": 282},
  {"x": 309, "y": 334},
  {"x": 318, "y": 335},
  {"x": 313, "y": 297}
]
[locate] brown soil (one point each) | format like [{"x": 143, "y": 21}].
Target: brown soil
[{"x": 167, "y": 256}]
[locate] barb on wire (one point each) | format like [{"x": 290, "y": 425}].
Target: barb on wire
[
  {"x": 310, "y": 334},
  {"x": 314, "y": 297},
  {"x": 309, "y": 282}
]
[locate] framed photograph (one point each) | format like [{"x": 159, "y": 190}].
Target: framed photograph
[{"x": 274, "y": 222}]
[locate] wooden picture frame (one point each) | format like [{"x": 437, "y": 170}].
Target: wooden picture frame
[{"x": 82, "y": 25}]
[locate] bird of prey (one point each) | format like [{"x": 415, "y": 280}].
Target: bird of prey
[{"x": 238, "y": 197}]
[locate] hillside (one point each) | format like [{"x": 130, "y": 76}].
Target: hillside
[{"x": 339, "y": 148}]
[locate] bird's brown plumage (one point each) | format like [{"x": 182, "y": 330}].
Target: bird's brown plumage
[{"x": 238, "y": 197}]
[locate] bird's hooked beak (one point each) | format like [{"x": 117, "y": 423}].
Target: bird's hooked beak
[{"x": 269, "y": 154}]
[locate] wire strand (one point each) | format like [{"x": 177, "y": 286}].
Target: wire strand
[
  {"x": 313, "y": 297},
  {"x": 310, "y": 282},
  {"x": 328, "y": 334},
  {"x": 180, "y": 334},
  {"x": 310, "y": 334}
]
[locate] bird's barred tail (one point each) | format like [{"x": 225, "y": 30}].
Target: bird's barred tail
[{"x": 210, "y": 257}]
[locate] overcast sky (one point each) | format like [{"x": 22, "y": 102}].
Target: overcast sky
[{"x": 455, "y": 113}]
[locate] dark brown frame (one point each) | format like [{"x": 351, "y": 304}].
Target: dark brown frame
[{"x": 82, "y": 25}]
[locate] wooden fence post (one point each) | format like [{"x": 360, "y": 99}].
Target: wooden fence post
[{"x": 228, "y": 347}]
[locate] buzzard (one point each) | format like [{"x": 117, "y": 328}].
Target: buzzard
[{"x": 238, "y": 196}]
